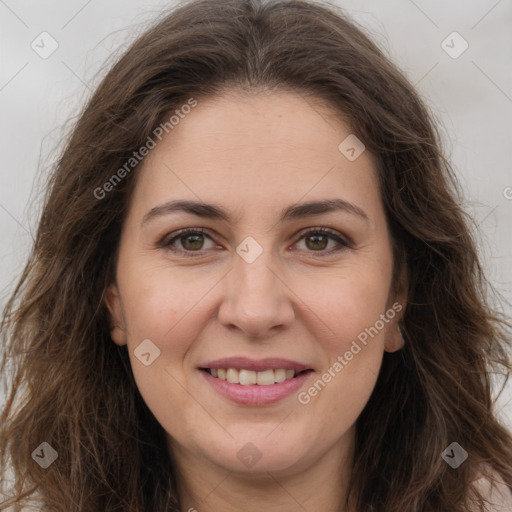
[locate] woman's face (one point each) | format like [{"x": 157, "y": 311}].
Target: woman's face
[{"x": 258, "y": 289}]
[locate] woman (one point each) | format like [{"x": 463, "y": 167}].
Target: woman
[{"x": 253, "y": 287}]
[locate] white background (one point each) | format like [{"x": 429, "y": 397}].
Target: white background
[{"x": 471, "y": 96}]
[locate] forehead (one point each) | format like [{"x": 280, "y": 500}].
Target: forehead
[{"x": 257, "y": 149}]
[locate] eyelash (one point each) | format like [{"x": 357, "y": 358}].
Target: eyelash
[{"x": 167, "y": 242}]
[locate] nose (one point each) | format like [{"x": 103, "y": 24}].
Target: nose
[{"x": 257, "y": 299}]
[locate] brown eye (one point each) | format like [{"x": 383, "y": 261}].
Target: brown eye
[
  {"x": 187, "y": 241},
  {"x": 191, "y": 242},
  {"x": 317, "y": 240}
]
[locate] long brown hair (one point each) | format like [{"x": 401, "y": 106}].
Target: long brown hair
[{"x": 73, "y": 388}]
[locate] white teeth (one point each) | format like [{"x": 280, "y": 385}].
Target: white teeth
[
  {"x": 265, "y": 378},
  {"x": 250, "y": 377},
  {"x": 280, "y": 375},
  {"x": 233, "y": 376},
  {"x": 247, "y": 377}
]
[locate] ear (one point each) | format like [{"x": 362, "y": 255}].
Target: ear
[
  {"x": 396, "y": 304},
  {"x": 117, "y": 321},
  {"x": 394, "y": 341}
]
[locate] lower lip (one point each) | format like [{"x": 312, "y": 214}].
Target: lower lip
[{"x": 254, "y": 394}]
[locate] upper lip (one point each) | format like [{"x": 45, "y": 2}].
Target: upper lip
[{"x": 257, "y": 365}]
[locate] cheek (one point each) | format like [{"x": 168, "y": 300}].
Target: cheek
[
  {"x": 360, "y": 309},
  {"x": 355, "y": 353},
  {"x": 345, "y": 303},
  {"x": 349, "y": 330},
  {"x": 351, "y": 343},
  {"x": 170, "y": 307},
  {"x": 166, "y": 305}
]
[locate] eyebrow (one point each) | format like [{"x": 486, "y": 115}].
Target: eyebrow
[{"x": 293, "y": 212}]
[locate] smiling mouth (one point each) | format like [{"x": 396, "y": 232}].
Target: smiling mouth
[{"x": 251, "y": 377}]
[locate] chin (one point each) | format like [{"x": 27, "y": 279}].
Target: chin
[{"x": 276, "y": 453}]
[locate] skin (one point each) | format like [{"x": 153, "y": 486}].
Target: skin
[{"x": 254, "y": 155}]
